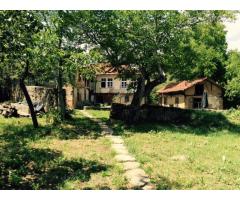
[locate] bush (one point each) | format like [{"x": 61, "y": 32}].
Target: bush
[
  {"x": 53, "y": 116},
  {"x": 233, "y": 113},
  {"x": 80, "y": 105}
]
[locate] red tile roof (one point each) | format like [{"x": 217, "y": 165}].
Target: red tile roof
[
  {"x": 181, "y": 86},
  {"x": 105, "y": 68}
]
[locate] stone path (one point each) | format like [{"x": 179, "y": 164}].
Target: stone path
[{"x": 136, "y": 176}]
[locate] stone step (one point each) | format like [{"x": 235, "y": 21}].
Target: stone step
[{"x": 124, "y": 158}]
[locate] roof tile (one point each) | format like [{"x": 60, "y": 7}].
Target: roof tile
[{"x": 181, "y": 86}]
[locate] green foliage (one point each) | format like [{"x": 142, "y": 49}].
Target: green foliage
[
  {"x": 233, "y": 75},
  {"x": 53, "y": 116},
  {"x": 183, "y": 44},
  {"x": 17, "y": 44}
]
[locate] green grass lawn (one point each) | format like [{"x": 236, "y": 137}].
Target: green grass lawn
[
  {"x": 71, "y": 155},
  {"x": 205, "y": 155}
]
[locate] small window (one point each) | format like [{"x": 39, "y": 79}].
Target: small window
[
  {"x": 126, "y": 98},
  {"x": 177, "y": 100},
  {"x": 110, "y": 82},
  {"x": 103, "y": 82},
  {"x": 165, "y": 100},
  {"x": 123, "y": 83}
]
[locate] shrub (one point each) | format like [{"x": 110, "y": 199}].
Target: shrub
[{"x": 80, "y": 105}]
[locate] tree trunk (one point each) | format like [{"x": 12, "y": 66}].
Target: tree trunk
[
  {"x": 139, "y": 93},
  {"x": 144, "y": 90},
  {"x": 27, "y": 97},
  {"x": 61, "y": 99}
]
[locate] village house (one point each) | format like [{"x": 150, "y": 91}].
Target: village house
[
  {"x": 105, "y": 88},
  {"x": 199, "y": 93}
]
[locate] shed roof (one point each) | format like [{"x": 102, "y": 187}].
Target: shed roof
[{"x": 183, "y": 85}]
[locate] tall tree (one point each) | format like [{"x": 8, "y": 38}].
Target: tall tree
[
  {"x": 17, "y": 32},
  {"x": 63, "y": 55},
  {"x": 233, "y": 77},
  {"x": 155, "y": 43}
]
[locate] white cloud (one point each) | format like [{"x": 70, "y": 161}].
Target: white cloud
[{"x": 233, "y": 34}]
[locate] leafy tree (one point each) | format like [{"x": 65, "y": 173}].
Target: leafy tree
[
  {"x": 17, "y": 31},
  {"x": 183, "y": 44},
  {"x": 63, "y": 56},
  {"x": 233, "y": 77}
]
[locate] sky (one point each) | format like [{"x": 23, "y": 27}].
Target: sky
[{"x": 233, "y": 34}]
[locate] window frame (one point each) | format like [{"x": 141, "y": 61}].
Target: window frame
[
  {"x": 123, "y": 83},
  {"x": 103, "y": 81},
  {"x": 109, "y": 82}
]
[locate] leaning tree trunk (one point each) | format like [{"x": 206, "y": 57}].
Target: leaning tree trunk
[{"x": 27, "y": 97}]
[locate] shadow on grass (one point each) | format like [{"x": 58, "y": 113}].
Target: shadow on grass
[
  {"x": 24, "y": 167},
  {"x": 201, "y": 123},
  {"x": 78, "y": 127}
]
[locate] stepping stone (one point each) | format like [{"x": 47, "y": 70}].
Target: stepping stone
[
  {"x": 118, "y": 146},
  {"x": 137, "y": 178},
  {"x": 117, "y": 140},
  {"x": 106, "y": 131},
  {"x": 149, "y": 186},
  {"x": 124, "y": 158},
  {"x": 131, "y": 165},
  {"x": 121, "y": 151},
  {"x": 179, "y": 158}
]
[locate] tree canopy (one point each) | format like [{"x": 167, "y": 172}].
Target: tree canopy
[
  {"x": 182, "y": 44},
  {"x": 233, "y": 75},
  {"x": 145, "y": 46}
]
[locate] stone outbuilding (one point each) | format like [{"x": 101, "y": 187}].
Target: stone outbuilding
[{"x": 199, "y": 93}]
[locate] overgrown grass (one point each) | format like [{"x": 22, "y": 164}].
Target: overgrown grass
[
  {"x": 71, "y": 155},
  {"x": 202, "y": 154}
]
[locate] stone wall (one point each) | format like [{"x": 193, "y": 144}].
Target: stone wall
[
  {"x": 4, "y": 94},
  {"x": 69, "y": 96},
  {"x": 149, "y": 113},
  {"x": 46, "y": 95}
]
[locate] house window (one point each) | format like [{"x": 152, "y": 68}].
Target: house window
[
  {"x": 123, "y": 83},
  {"x": 177, "y": 100},
  {"x": 165, "y": 100},
  {"x": 126, "y": 98},
  {"x": 110, "y": 82},
  {"x": 103, "y": 82}
]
